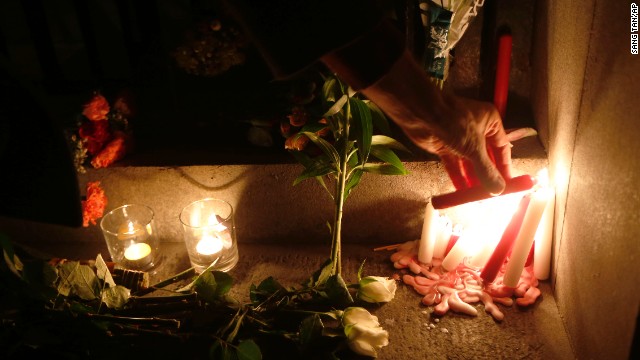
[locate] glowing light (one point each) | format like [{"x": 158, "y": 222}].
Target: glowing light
[
  {"x": 137, "y": 251},
  {"x": 130, "y": 230},
  {"x": 484, "y": 223},
  {"x": 209, "y": 245},
  {"x": 215, "y": 224}
]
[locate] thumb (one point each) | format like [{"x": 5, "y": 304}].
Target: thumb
[{"x": 487, "y": 173}]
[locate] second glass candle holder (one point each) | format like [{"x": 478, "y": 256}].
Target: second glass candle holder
[{"x": 209, "y": 234}]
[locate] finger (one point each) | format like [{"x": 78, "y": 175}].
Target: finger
[
  {"x": 502, "y": 159},
  {"x": 470, "y": 174},
  {"x": 517, "y": 134},
  {"x": 453, "y": 166},
  {"x": 487, "y": 173}
]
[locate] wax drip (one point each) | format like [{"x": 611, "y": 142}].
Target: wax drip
[{"x": 456, "y": 290}]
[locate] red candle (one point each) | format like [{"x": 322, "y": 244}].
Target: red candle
[
  {"x": 501, "y": 89},
  {"x": 490, "y": 270},
  {"x": 531, "y": 255},
  {"x": 455, "y": 235},
  {"x": 476, "y": 193}
]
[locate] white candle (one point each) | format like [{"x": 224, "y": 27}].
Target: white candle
[
  {"x": 137, "y": 251},
  {"x": 524, "y": 240},
  {"x": 544, "y": 239},
  {"x": 429, "y": 234},
  {"x": 458, "y": 252},
  {"x": 445, "y": 228},
  {"x": 486, "y": 247},
  {"x": 209, "y": 245}
]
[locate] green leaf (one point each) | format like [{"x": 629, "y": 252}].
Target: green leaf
[
  {"x": 360, "y": 270},
  {"x": 316, "y": 171},
  {"x": 322, "y": 275},
  {"x": 8, "y": 252},
  {"x": 312, "y": 166},
  {"x": 313, "y": 127},
  {"x": 224, "y": 280},
  {"x": 388, "y": 142},
  {"x": 102, "y": 271},
  {"x": 331, "y": 89},
  {"x": 264, "y": 290},
  {"x": 115, "y": 297},
  {"x": 212, "y": 285},
  {"x": 76, "y": 279},
  {"x": 248, "y": 350},
  {"x": 337, "y": 291},
  {"x": 335, "y": 108},
  {"x": 362, "y": 127},
  {"x": 383, "y": 169},
  {"x": 378, "y": 118},
  {"x": 325, "y": 146},
  {"x": 352, "y": 182},
  {"x": 387, "y": 156},
  {"x": 310, "y": 330}
]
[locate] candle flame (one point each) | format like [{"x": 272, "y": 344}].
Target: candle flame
[{"x": 543, "y": 178}]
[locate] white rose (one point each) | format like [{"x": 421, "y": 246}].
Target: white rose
[
  {"x": 364, "y": 334},
  {"x": 376, "y": 289}
]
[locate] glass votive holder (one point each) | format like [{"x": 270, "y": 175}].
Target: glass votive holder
[
  {"x": 210, "y": 234},
  {"x": 131, "y": 237}
]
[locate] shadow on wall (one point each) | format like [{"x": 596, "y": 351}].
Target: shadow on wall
[{"x": 271, "y": 209}]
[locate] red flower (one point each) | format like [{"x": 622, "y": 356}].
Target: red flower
[
  {"x": 113, "y": 151},
  {"x": 96, "y": 109},
  {"x": 95, "y": 134},
  {"x": 93, "y": 207}
]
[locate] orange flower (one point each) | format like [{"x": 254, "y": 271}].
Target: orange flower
[
  {"x": 93, "y": 207},
  {"x": 96, "y": 109},
  {"x": 296, "y": 142},
  {"x": 115, "y": 150}
]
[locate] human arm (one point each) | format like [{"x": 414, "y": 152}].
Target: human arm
[
  {"x": 368, "y": 53},
  {"x": 467, "y": 135}
]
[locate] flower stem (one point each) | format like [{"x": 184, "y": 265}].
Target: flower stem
[{"x": 336, "y": 246}]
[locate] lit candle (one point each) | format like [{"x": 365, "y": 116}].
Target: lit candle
[
  {"x": 137, "y": 251},
  {"x": 429, "y": 235},
  {"x": 501, "y": 251},
  {"x": 543, "y": 240},
  {"x": 453, "y": 239},
  {"x": 138, "y": 256},
  {"x": 523, "y": 242},
  {"x": 476, "y": 193},
  {"x": 442, "y": 240},
  {"x": 458, "y": 252},
  {"x": 209, "y": 245}
]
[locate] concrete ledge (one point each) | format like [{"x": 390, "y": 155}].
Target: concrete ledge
[
  {"x": 382, "y": 209},
  {"x": 530, "y": 333}
]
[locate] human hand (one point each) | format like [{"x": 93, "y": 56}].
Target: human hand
[{"x": 472, "y": 143}]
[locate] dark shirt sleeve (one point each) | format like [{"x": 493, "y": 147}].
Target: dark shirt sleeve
[{"x": 293, "y": 34}]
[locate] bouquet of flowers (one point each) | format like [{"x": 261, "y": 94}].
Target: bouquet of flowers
[{"x": 102, "y": 132}]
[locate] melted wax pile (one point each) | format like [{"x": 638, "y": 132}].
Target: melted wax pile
[{"x": 458, "y": 289}]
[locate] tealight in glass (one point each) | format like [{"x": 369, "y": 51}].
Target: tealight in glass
[
  {"x": 210, "y": 234},
  {"x": 131, "y": 237}
]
